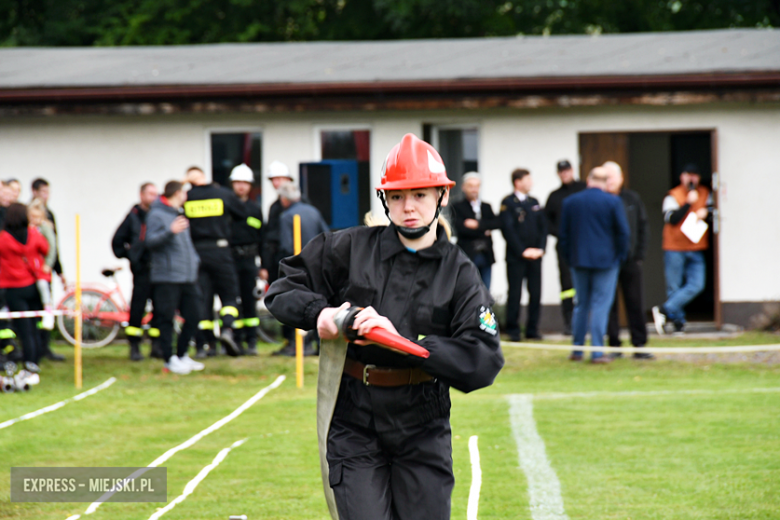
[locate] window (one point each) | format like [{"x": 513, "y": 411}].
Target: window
[{"x": 228, "y": 150}]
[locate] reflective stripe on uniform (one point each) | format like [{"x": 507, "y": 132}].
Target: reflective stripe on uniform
[
  {"x": 7, "y": 334},
  {"x": 8, "y": 349},
  {"x": 254, "y": 222},
  {"x": 569, "y": 293},
  {"x": 204, "y": 208},
  {"x": 251, "y": 322},
  {"x": 230, "y": 310},
  {"x": 134, "y": 331},
  {"x": 154, "y": 332},
  {"x": 238, "y": 324},
  {"x": 206, "y": 325}
]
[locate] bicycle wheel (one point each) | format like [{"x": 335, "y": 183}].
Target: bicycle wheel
[{"x": 95, "y": 332}]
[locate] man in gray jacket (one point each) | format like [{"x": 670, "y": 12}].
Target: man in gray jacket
[
  {"x": 312, "y": 224},
  {"x": 174, "y": 275}
]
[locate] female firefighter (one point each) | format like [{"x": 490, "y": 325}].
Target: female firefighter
[{"x": 386, "y": 435}]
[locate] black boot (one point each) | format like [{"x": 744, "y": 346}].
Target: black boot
[
  {"x": 156, "y": 351},
  {"x": 135, "y": 351},
  {"x": 232, "y": 348}
]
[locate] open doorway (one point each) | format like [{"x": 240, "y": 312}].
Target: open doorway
[{"x": 652, "y": 163}]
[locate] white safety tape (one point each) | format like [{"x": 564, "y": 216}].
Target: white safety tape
[
  {"x": 192, "y": 484},
  {"x": 476, "y": 479},
  {"x": 192, "y": 440},
  {"x": 654, "y": 350},
  {"x": 33, "y": 314},
  {"x": 654, "y": 393},
  {"x": 56, "y": 406}
]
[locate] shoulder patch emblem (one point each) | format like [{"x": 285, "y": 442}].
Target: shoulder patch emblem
[{"x": 487, "y": 321}]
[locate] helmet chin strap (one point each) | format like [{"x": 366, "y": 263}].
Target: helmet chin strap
[{"x": 412, "y": 233}]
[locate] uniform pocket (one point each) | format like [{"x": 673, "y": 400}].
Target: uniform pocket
[
  {"x": 358, "y": 295},
  {"x": 433, "y": 320},
  {"x": 335, "y": 474}
]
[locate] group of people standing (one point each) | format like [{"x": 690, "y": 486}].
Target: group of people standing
[
  {"x": 186, "y": 246},
  {"x": 602, "y": 234},
  {"x": 28, "y": 258}
]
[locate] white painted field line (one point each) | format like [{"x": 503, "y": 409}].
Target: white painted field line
[
  {"x": 476, "y": 479},
  {"x": 544, "y": 489},
  {"x": 653, "y": 350},
  {"x": 110, "y": 381},
  {"x": 192, "y": 440},
  {"x": 192, "y": 484},
  {"x": 651, "y": 393}
]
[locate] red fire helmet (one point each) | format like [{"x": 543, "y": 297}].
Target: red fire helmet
[{"x": 413, "y": 164}]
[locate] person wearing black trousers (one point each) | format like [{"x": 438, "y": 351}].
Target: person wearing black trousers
[
  {"x": 524, "y": 227},
  {"x": 630, "y": 275},
  {"x": 128, "y": 242},
  {"x": 246, "y": 242},
  {"x": 552, "y": 210},
  {"x": 211, "y": 209},
  {"x": 174, "y": 274}
]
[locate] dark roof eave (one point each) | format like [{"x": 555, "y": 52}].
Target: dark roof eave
[{"x": 450, "y": 86}]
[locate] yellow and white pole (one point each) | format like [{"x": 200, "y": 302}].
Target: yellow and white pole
[
  {"x": 298, "y": 333},
  {"x": 77, "y": 307}
]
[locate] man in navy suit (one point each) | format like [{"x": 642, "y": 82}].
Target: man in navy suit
[{"x": 594, "y": 239}]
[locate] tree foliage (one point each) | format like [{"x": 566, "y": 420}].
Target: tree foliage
[{"x": 167, "y": 22}]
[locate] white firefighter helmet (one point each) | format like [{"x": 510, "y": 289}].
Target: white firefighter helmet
[
  {"x": 242, "y": 172},
  {"x": 279, "y": 169}
]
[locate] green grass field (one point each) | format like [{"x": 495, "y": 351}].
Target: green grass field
[{"x": 714, "y": 454}]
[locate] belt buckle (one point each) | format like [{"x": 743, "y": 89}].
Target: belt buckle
[{"x": 365, "y": 374}]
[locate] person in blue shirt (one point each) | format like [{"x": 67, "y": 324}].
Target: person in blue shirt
[{"x": 594, "y": 238}]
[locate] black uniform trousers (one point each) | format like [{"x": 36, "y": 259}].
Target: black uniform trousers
[
  {"x": 7, "y": 345},
  {"x": 630, "y": 282},
  {"x": 26, "y": 299},
  {"x": 397, "y": 475},
  {"x": 246, "y": 269},
  {"x": 217, "y": 274},
  {"x": 567, "y": 291},
  {"x": 142, "y": 291},
  {"x": 516, "y": 272},
  {"x": 167, "y": 298}
]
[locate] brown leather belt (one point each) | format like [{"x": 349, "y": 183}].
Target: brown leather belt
[{"x": 373, "y": 376}]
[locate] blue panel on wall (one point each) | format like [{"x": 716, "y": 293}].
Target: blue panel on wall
[{"x": 340, "y": 205}]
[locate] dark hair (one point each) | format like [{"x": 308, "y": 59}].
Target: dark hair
[
  {"x": 195, "y": 168},
  {"x": 38, "y": 183},
  {"x": 171, "y": 188},
  {"x": 692, "y": 168},
  {"x": 16, "y": 216},
  {"x": 146, "y": 185},
  {"x": 12, "y": 179},
  {"x": 519, "y": 173}
]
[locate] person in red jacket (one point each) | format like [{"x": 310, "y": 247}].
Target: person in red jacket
[{"x": 20, "y": 245}]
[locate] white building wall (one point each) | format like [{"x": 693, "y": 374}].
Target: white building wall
[{"x": 96, "y": 164}]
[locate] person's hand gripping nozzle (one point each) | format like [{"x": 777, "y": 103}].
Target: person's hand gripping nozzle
[{"x": 384, "y": 338}]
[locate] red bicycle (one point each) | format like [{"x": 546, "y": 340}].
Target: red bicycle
[{"x": 104, "y": 310}]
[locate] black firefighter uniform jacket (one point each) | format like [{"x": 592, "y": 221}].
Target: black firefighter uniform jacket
[{"x": 434, "y": 297}]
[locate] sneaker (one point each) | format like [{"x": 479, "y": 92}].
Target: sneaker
[
  {"x": 194, "y": 365},
  {"x": 47, "y": 320},
  {"x": 177, "y": 366},
  {"x": 659, "y": 320},
  {"x": 31, "y": 367},
  {"x": 200, "y": 353}
]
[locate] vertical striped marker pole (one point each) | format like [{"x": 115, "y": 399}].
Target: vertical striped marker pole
[
  {"x": 298, "y": 337},
  {"x": 77, "y": 317}
]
